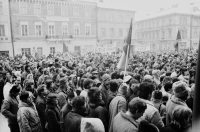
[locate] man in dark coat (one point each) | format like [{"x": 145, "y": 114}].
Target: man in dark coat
[
  {"x": 41, "y": 104},
  {"x": 73, "y": 120},
  {"x": 10, "y": 107}
]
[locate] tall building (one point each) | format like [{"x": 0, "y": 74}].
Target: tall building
[
  {"x": 5, "y": 34},
  {"x": 160, "y": 29},
  {"x": 113, "y": 23},
  {"x": 46, "y": 26}
]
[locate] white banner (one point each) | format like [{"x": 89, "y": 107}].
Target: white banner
[{"x": 142, "y": 47}]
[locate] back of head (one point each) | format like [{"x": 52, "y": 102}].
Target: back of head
[
  {"x": 15, "y": 89},
  {"x": 145, "y": 126},
  {"x": 123, "y": 89},
  {"x": 157, "y": 95},
  {"x": 113, "y": 86},
  {"x": 94, "y": 95},
  {"x": 145, "y": 90},
  {"x": 87, "y": 82},
  {"x": 78, "y": 102},
  {"x": 137, "y": 105},
  {"x": 24, "y": 96},
  {"x": 52, "y": 99},
  {"x": 168, "y": 86}
]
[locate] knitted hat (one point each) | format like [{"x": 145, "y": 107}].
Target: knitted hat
[
  {"x": 105, "y": 77},
  {"x": 123, "y": 89},
  {"x": 180, "y": 89}
]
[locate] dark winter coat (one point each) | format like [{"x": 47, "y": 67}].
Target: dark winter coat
[
  {"x": 53, "y": 118},
  {"x": 99, "y": 110},
  {"x": 63, "y": 113}
]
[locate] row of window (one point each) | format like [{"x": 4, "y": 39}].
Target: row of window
[
  {"x": 27, "y": 51},
  {"x": 51, "y": 29},
  {"x": 156, "y": 34},
  {"x": 51, "y": 10},
  {"x": 112, "y": 32},
  {"x": 114, "y": 18}
]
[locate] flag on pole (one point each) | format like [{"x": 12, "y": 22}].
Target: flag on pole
[
  {"x": 123, "y": 62},
  {"x": 196, "y": 106},
  {"x": 178, "y": 38},
  {"x": 65, "y": 48}
]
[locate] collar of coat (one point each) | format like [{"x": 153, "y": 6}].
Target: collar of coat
[
  {"x": 130, "y": 119},
  {"x": 147, "y": 101},
  {"x": 178, "y": 101}
]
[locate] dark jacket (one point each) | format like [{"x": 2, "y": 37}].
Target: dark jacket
[
  {"x": 72, "y": 122},
  {"x": 41, "y": 106},
  {"x": 104, "y": 92},
  {"x": 53, "y": 118},
  {"x": 98, "y": 110},
  {"x": 9, "y": 109},
  {"x": 62, "y": 97},
  {"x": 189, "y": 102},
  {"x": 172, "y": 128},
  {"x": 63, "y": 113}
]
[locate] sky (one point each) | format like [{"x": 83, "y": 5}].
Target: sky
[{"x": 143, "y": 7}]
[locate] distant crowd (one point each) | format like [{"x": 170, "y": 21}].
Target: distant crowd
[{"x": 90, "y": 94}]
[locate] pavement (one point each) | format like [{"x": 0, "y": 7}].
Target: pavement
[{"x": 3, "y": 124}]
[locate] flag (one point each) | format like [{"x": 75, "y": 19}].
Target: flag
[
  {"x": 66, "y": 56},
  {"x": 126, "y": 50},
  {"x": 196, "y": 106},
  {"x": 65, "y": 48},
  {"x": 178, "y": 38}
]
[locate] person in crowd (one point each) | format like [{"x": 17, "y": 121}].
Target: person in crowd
[
  {"x": 7, "y": 86},
  {"x": 151, "y": 114},
  {"x": 27, "y": 115},
  {"x": 181, "y": 122},
  {"x": 112, "y": 91},
  {"x": 62, "y": 92},
  {"x": 97, "y": 108},
  {"x": 52, "y": 113},
  {"x": 41, "y": 104},
  {"x": 190, "y": 99},
  {"x": 66, "y": 109},
  {"x": 87, "y": 84},
  {"x": 118, "y": 103},
  {"x": 104, "y": 87},
  {"x": 26, "y": 72},
  {"x": 2, "y": 83},
  {"x": 125, "y": 121},
  {"x": 10, "y": 107},
  {"x": 73, "y": 119},
  {"x": 133, "y": 89},
  {"x": 180, "y": 90},
  {"x": 145, "y": 126}
]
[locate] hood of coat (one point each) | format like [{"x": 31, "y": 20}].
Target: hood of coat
[
  {"x": 25, "y": 104},
  {"x": 178, "y": 101}
]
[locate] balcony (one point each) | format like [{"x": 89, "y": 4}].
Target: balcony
[{"x": 59, "y": 38}]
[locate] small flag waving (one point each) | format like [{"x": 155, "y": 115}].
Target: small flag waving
[
  {"x": 65, "y": 48},
  {"x": 123, "y": 62},
  {"x": 178, "y": 38}
]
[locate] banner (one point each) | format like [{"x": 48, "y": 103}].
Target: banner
[
  {"x": 106, "y": 48},
  {"x": 142, "y": 47}
]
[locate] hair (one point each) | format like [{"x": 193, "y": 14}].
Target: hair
[
  {"x": 168, "y": 86},
  {"x": 145, "y": 126},
  {"x": 87, "y": 82},
  {"x": 145, "y": 89},
  {"x": 113, "y": 86},
  {"x": 24, "y": 95},
  {"x": 26, "y": 67},
  {"x": 94, "y": 95},
  {"x": 175, "y": 79},
  {"x": 157, "y": 94},
  {"x": 41, "y": 88},
  {"x": 78, "y": 102},
  {"x": 15, "y": 89},
  {"x": 136, "y": 105},
  {"x": 180, "y": 114},
  {"x": 168, "y": 73}
]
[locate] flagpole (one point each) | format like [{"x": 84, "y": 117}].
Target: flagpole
[{"x": 126, "y": 61}]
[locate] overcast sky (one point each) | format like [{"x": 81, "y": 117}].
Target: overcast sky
[{"x": 143, "y": 7}]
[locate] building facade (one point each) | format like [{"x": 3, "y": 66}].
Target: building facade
[
  {"x": 113, "y": 25},
  {"x": 46, "y": 26},
  {"x": 5, "y": 34},
  {"x": 161, "y": 31}
]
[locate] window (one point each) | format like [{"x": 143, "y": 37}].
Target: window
[
  {"x": 64, "y": 11},
  {"x": 120, "y": 32},
  {"x": 2, "y": 30},
  {"x": 87, "y": 29},
  {"x": 24, "y": 28},
  {"x": 23, "y": 8},
  {"x": 185, "y": 20},
  {"x": 37, "y": 9},
  {"x": 52, "y": 50},
  {"x": 112, "y": 33},
  {"x": 1, "y": 8},
  {"x": 183, "y": 34},
  {"x": 87, "y": 12},
  {"x": 111, "y": 17},
  {"x": 26, "y": 51},
  {"x": 76, "y": 29},
  {"x": 157, "y": 34},
  {"x": 103, "y": 17},
  {"x": 157, "y": 23},
  {"x": 76, "y": 11},
  {"x": 163, "y": 34},
  {"x": 65, "y": 29},
  {"x": 195, "y": 33},
  {"x": 195, "y": 22},
  {"x": 50, "y": 9},
  {"x": 103, "y": 32},
  {"x": 38, "y": 29},
  {"x": 51, "y": 28},
  {"x": 170, "y": 33}
]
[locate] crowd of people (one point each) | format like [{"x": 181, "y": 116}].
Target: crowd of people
[{"x": 90, "y": 94}]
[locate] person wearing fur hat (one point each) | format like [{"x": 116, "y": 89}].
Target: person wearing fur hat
[
  {"x": 52, "y": 113},
  {"x": 118, "y": 103},
  {"x": 180, "y": 91},
  {"x": 97, "y": 108}
]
